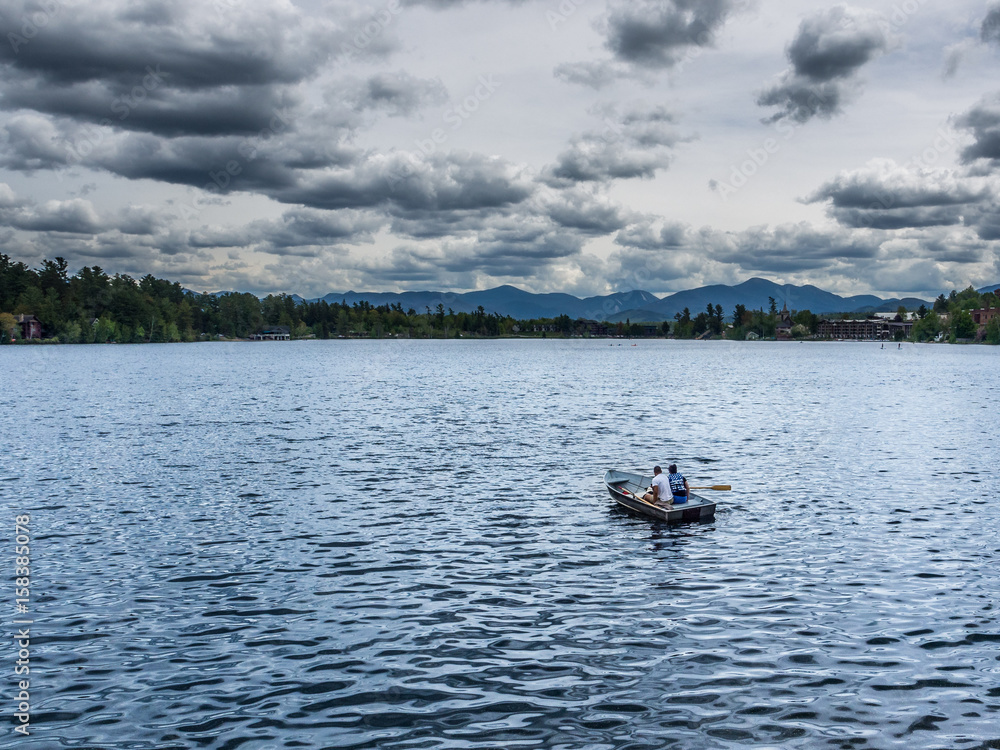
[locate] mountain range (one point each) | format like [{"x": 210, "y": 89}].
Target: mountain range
[{"x": 637, "y": 305}]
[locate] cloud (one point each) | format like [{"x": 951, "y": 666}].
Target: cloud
[
  {"x": 298, "y": 231},
  {"x": 827, "y": 53},
  {"x": 655, "y": 34},
  {"x": 644, "y": 236},
  {"x": 989, "y": 30},
  {"x": 75, "y": 216},
  {"x": 30, "y": 142},
  {"x": 446, "y": 4},
  {"x": 397, "y": 93},
  {"x": 633, "y": 144},
  {"x": 402, "y": 183},
  {"x": 884, "y": 195},
  {"x": 649, "y": 36},
  {"x": 983, "y": 122},
  {"x": 193, "y": 45},
  {"x": 193, "y": 69},
  {"x": 585, "y": 212},
  {"x": 673, "y": 251},
  {"x": 595, "y": 75}
]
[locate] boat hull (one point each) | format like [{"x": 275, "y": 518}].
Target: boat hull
[{"x": 697, "y": 508}]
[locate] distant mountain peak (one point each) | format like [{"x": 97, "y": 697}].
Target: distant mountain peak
[{"x": 636, "y": 304}]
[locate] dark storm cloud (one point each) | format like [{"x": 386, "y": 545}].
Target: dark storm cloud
[
  {"x": 826, "y": 55},
  {"x": 884, "y": 195},
  {"x": 648, "y": 36},
  {"x": 454, "y": 182},
  {"x": 898, "y": 218},
  {"x": 196, "y": 45},
  {"x": 587, "y": 216},
  {"x": 948, "y": 250},
  {"x": 983, "y": 123},
  {"x": 885, "y": 185},
  {"x": 299, "y": 228},
  {"x": 634, "y": 144},
  {"x": 655, "y": 34},
  {"x": 801, "y": 100},
  {"x": 220, "y": 165},
  {"x": 986, "y": 221},
  {"x": 989, "y": 30},
  {"x": 160, "y": 110},
  {"x": 209, "y": 69},
  {"x": 794, "y": 247}
]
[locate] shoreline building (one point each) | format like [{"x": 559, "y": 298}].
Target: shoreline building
[{"x": 984, "y": 315}]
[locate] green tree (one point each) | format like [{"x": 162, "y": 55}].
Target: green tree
[
  {"x": 963, "y": 326},
  {"x": 15, "y": 278},
  {"x": 104, "y": 330},
  {"x": 91, "y": 290},
  {"x": 8, "y": 323},
  {"x": 993, "y": 332},
  {"x": 927, "y": 328},
  {"x": 70, "y": 334}
]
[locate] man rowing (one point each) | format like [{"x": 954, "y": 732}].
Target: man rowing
[{"x": 660, "y": 488}]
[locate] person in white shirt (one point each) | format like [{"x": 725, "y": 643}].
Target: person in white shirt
[{"x": 660, "y": 488}]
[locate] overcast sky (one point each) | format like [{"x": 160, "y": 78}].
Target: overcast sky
[{"x": 583, "y": 146}]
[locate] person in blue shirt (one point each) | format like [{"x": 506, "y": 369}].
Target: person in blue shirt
[{"x": 679, "y": 489}]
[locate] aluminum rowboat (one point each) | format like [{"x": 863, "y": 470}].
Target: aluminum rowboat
[{"x": 621, "y": 483}]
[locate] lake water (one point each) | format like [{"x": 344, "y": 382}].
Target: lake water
[{"x": 407, "y": 544}]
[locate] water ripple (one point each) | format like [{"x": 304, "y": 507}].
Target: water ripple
[{"x": 404, "y": 545}]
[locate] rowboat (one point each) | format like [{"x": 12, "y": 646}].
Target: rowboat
[{"x": 621, "y": 485}]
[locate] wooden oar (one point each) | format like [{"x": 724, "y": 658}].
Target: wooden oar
[
  {"x": 640, "y": 498},
  {"x": 719, "y": 487}
]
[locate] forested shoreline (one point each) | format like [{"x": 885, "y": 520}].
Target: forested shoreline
[{"x": 92, "y": 306}]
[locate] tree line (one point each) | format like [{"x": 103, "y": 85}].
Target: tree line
[{"x": 92, "y": 306}]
